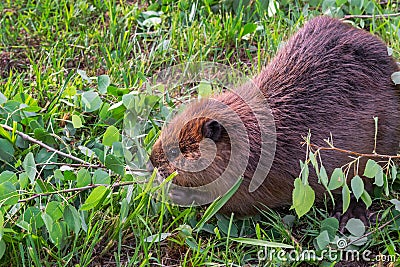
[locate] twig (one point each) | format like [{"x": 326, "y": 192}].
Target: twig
[
  {"x": 74, "y": 165},
  {"x": 355, "y": 153},
  {"x": 78, "y": 189},
  {"x": 49, "y": 148},
  {"x": 383, "y": 16}
]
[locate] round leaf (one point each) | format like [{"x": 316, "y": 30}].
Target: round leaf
[
  {"x": 91, "y": 101},
  {"x": 337, "y": 179},
  {"x": 323, "y": 239},
  {"x": 371, "y": 168},
  {"x": 103, "y": 81},
  {"x": 76, "y": 121},
  {"x": 110, "y": 136},
  {"x": 331, "y": 225},
  {"x": 83, "y": 178},
  {"x": 356, "y": 227}
]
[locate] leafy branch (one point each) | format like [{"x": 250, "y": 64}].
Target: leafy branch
[
  {"x": 77, "y": 189},
  {"x": 49, "y": 148},
  {"x": 366, "y": 155}
]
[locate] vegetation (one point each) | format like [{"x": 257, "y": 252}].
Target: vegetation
[{"x": 71, "y": 71}]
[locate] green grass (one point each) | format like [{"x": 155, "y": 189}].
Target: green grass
[{"x": 44, "y": 43}]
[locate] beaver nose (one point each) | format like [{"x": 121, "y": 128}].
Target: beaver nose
[{"x": 149, "y": 166}]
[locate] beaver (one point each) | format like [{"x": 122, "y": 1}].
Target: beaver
[{"x": 329, "y": 79}]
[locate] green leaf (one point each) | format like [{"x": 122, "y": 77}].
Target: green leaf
[
  {"x": 204, "y": 89},
  {"x": 323, "y": 176},
  {"x": 379, "y": 177},
  {"x": 323, "y": 240},
  {"x": 91, "y": 101},
  {"x": 23, "y": 180},
  {"x": 48, "y": 221},
  {"x": 57, "y": 234},
  {"x": 29, "y": 166},
  {"x": 331, "y": 225},
  {"x": 303, "y": 197},
  {"x": 357, "y": 186},
  {"x": 101, "y": 177},
  {"x": 249, "y": 28},
  {"x": 71, "y": 217},
  {"x": 262, "y": 243},
  {"x": 76, "y": 121},
  {"x": 129, "y": 101},
  {"x": 32, "y": 216},
  {"x": 2, "y": 248},
  {"x": 345, "y": 197},
  {"x": 337, "y": 179},
  {"x": 95, "y": 197},
  {"x": 366, "y": 198},
  {"x": 8, "y": 194},
  {"x": 83, "y": 178},
  {"x": 304, "y": 172},
  {"x": 6, "y": 150},
  {"x": 110, "y": 136},
  {"x": 55, "y": 229},
  {"x": 115, "y": 164},
  {"x": 340, "y": 2},
  {"x": 8, "y": 176},
  {"x": 393, "y": 173},
  {"x": 55, "y": 210},
  {"x": 371, "y": 168},
  {"x": 313, "y": 160},
  {"x": 224, "y": 225},
  {"x": 356, "y": 227},
  {"x": 103, "y": 81}
]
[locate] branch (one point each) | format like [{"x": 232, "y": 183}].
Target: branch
[
  {"x": 73, "y": 165},
  {"x": 49, "y": 148},
  {"x": 372, "y": 155},
  {"x": 78, "y": 189},
  {"x": 382, "y": 16}
]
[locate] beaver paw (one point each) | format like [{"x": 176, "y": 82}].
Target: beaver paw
[{"x": 357, "y": 210}]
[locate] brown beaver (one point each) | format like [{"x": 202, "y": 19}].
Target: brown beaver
[{"x": 330, "y": 79}]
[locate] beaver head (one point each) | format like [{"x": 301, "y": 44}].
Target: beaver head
[{"x": 211, "y": 144}]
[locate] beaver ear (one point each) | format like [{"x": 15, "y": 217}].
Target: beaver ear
[{"x": 212, "y": 129}]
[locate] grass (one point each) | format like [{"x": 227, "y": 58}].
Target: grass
[{"x": 44, "y": 43}]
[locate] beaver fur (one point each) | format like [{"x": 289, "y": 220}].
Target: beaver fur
[{"x": 329, "y": 78}]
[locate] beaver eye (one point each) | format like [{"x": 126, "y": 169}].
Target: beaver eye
[{"x": 173, "y": 153}]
